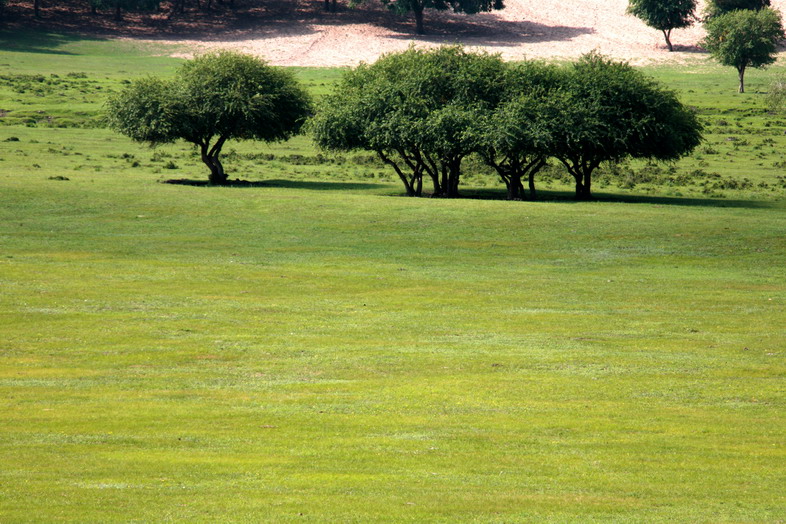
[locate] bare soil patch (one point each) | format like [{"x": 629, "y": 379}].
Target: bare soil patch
[{"x": 301, "y": 33}]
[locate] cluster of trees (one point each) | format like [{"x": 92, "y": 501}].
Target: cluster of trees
[
  {"x": 740, "y": 33},
  {"x": 423, "y": 112}
]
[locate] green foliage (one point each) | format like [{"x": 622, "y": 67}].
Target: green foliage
[
  {"x": 516, "y": 137},
  {"x": 414, "y": 110},
  {"x": 459, "y": 6},
  {"x": 423, "y": 112},
  {"x": 608, "y": 111},
  {"x": 744, "y": 38},
  {"x": 719, "y": 7},
  {"x": 214, "y": 98},
  {"x": 664, "y": 15}
]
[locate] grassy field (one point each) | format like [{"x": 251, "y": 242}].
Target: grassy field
[{"x": 317, "y": 348}]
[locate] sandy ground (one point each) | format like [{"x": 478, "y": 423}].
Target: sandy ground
[{"x": 524, "y": 29}]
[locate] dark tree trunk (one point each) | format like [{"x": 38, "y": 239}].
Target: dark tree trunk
[
  {"x": 741, "y": 72},
  {"x": 407, "y": 185},
  {"x": 587, "y": 186},
  {"x": 515, "y": 189},
  {"x": 417, "y": 9},
  {"x": 218, "y": 176},
  {"x": 454, "y": 174},
  {"x": 667, "y": 36},
  {"x": 118, "y": 12}
]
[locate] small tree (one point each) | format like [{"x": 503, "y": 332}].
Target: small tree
[
  {"x": 607, "y": 111},
  {"x": 417, "y": 7},
  {"x": 213, "y": 98},
  {"x": 743, "y": 39},
  {"x": 664, "y": 15}
]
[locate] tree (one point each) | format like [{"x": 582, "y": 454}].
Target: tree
[
  {"x": 664, "y": 15},
  {"x": 743, "y": 39},
  {"x": 718, "y": 7},
  {"x": 607, "y": 111},
  {"x": 118, "y": 6},
  {"x": 415, "y": 110},
  {"x": 516, "y": 138},
  {"x": 417, "y": 7},
  {"x": 212, "y": 99}
]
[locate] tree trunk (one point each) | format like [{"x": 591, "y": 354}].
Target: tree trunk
[
  {"x": 667, "y": 35},
  {"x": 417, "y": 8},
  {"x": 118, "y": 12},
  {"x": 586, "y": 190},
  {"x": 210, "y": 157},
  {"x": 741, "y": 72},
  {"x": 407, "y": 186},
  {"x": 454, "y": 174},
  {"x": 515, "y": 189}
]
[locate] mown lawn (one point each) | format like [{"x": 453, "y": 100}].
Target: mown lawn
[{"x": 318, "y": 348}]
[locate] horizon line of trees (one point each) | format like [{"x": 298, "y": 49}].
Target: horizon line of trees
[{"x": 422, "y": 112}]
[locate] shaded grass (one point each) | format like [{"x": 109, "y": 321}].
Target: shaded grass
[{"x": 230, "y": 354}]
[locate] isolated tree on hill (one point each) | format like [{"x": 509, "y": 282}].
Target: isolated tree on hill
[
  {"x": 744, "y": 38},
  {"x": 415, "y": 110},
  {"x": 213, "y": 98},
  {"x": 416, "y": 7},
  {"x": 664, "y": 15},
  {"x": 608, "y": 111}
]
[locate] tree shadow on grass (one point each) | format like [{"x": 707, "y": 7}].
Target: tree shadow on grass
[
  {"x": 568, "y": 197},
  {"x": 290, "y": 184},
  {"x": 29, "y": 41},
  {"x": 544, "y": 196}
]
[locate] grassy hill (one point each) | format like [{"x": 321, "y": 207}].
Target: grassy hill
[{"x": 314, "y": 347}]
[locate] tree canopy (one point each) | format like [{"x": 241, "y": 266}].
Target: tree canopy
[
  {"x": 744, "y": 38},
  {"x": 607, "y": 111},
  {"x": 515, "y": 139},
  {"x": 423, "y": 112},
  {"x": 718, "y": 7},
  {"x": 414, "y": 110},
  {"x": 664, "y": 15},
  {"x": 213, "y": 98}
]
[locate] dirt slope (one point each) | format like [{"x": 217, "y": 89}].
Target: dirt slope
[{"x": 526, "y": 28}]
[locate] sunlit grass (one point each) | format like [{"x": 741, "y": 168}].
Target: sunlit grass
[{"x": 317, "y": 347}]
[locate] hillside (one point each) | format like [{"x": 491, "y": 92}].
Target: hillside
[{"x": 300, "y": 33}]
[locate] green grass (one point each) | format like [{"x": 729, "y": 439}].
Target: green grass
[{"x": 318, "y": 348}]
